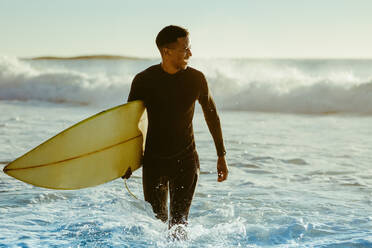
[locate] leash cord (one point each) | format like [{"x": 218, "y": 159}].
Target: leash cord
[{"x": 126, "y": 186}]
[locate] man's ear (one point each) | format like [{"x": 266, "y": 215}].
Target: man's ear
[{"x": 165, "y": 51}]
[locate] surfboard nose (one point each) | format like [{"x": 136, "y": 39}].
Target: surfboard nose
[{"x": 5, "y": 169}]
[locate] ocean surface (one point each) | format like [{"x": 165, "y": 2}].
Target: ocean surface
[{"x": 298, "y": 139}]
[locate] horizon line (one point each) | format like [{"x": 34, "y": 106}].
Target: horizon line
[{"x": 126, "y": 57}]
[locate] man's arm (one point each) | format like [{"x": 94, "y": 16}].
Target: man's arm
[
  {"x": 135, "y": 90},
  {"x": 134, "y": 94},
  {"x": 214, "y": 126}
]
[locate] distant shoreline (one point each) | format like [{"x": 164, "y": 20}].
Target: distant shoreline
[
  {"x": 86, "y": 57},
  {"x": 119, "y": 57}
]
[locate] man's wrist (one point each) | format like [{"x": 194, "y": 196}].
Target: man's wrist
[{"x": 221, "y": 154}]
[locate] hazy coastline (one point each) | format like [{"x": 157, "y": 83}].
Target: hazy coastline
[{"x": 85, "y": 57}]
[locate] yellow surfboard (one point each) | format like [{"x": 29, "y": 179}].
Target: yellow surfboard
[{"x": 96, "y": 150}]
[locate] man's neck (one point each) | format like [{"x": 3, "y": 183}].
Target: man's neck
[{"x": 169, "y": 68}]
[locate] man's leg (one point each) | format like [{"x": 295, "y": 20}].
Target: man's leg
[
  {"x": 182, "y": 188},
  {"x": 155, "y": 189}
]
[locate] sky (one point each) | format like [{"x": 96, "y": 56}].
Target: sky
[{"x": 218, "y": 28}]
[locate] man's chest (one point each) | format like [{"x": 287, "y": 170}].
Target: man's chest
[{"x": 172, "y": 94}]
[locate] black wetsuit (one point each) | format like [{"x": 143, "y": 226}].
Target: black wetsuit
[{"x": 170, "y": 156}]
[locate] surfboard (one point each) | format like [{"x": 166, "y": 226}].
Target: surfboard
[{"x": 94, "y": 151}]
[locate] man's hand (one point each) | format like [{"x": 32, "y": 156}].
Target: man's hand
[
  {"x": 222, "y": 169},
  {"x": 127, "y": 174}
]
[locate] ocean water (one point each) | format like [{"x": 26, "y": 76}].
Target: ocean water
[{"x": 298, "y": 138}]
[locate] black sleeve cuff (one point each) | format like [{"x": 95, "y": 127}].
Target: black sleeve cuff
[{"x": 221, "y": 153}]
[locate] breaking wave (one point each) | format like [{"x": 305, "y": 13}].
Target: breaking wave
[{"x": 294, "y": 86}]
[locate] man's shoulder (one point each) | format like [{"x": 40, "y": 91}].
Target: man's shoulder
[
  {"x": 196, "y": 75},
  {"x": 150, "y": 71},
  {"x": 195, "y": 72}
]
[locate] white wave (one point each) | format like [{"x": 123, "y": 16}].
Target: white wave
[
  {"x": 274, "y": 87},
  {"x": 20, "y": 81},
  {"x": 251, "y": 85}
]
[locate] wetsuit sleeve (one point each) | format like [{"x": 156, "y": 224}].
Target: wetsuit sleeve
[
  {"x": 211, "y": 116},
  {"x": 136, "y": 91}
]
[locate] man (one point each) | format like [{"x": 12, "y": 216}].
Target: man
[{"x": 169, "y": 91}]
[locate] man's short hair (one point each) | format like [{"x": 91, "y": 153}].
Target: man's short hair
[{"x": 169, "y": 35}]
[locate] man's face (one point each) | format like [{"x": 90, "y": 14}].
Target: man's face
[{"x": 179, "y": 53}]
